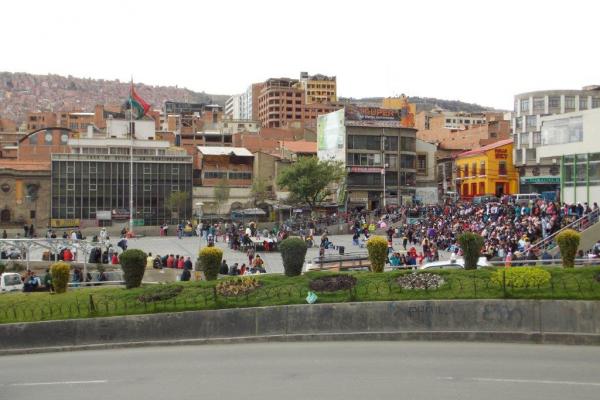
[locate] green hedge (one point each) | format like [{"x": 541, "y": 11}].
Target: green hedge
[
  {"x": 568, "y": 241},
  {"x": 521, "y": 277},
  {"x": 377, "y": 247},
  {"x": 59, "y": 273},
  {"x": 133, "y": 263},
  {"x": 293, "y": 250},
  {"x": 471, "y": 245},
  {"x": 209, "y": 261}
]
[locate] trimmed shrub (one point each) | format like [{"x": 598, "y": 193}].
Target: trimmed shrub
[
  {"x": 471, "y": 245},
  {"x": 293, "y": 251},
  {"x": 60, "y": 276},
  {"x": 568, "y": 241},
  {"x": 377, "y": 247},
  {"x": 133, "y": 263},
  {"x": 522, "y": 277},
  {"x": 209, "y": 261}
]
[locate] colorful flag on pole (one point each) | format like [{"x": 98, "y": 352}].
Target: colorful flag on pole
[{"x": 138, "y": 105}]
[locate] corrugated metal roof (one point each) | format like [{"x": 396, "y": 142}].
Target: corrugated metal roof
[
  {"x": 485, "y": 148},
  {"x": 224, "y": 151}
]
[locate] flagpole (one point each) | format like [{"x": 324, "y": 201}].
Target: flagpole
[{"x": 131, "y": 158}]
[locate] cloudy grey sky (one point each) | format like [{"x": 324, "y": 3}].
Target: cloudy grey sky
[{"x": 476, "y": 51}]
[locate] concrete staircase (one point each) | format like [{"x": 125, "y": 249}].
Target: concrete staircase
[{"x": 588, "y": 226}]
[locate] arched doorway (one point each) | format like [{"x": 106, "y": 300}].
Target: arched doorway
[{"x": 5, "y": 215}]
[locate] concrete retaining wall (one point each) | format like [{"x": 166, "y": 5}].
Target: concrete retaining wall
[{"x": 575, "y": 322}]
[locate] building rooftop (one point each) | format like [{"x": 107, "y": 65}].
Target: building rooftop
[
  {"x": 300, "y": 146},
  {"x": 25, "y": 165},
  {"x": 224, "y": 151},
  {"x": 483, "y": 149},
  {"x": 124, "y": 142}
]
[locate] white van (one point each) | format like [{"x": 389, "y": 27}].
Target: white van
[
  {"x": 11, "y": 282},
  {"x": 524, "y": 199}
]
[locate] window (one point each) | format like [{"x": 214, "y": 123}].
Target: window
[
  {"x": 530, "y": 154},
  {"x": 147, "y": 188},
  {"x": 363, "y": 142},
  {"x": 33, "y": 139},
  {"x": 364, "y": 159},
  {"x": 215, "y": 175},
  {"x": 518, "y": 123},
  {"x": 93, "y": 169},
  {"x": 175, "y": 170},
  {"x": 466, "y": 170},
  {"x": 502, "y": 168},
  {"x": 531, "y": 121},
  {"x": 422, "y": 164},
  {"x": 569, "y": 102},
  {"x": 538, "y": 105},
  {"x": 524, "y": 139},
  {"x": 537, "y": 138},
  {"x": 482, "y": 168},
  {"x": 391, "y": 161},
  {"x": 408, "y": 144},
  {"x": 32, "y": 214},
  {"x": 474, "y": 169},
  {"x": 525, "y": 105},
  {"x": 240, "y": 175},
  {"x": 554, "y": 102},
  {"x": 147, "y": 170},
  {"x": 390, "y": 143},
  {"x": 595, "y": 102},
  {"x": 407, "y": 161},
  {"x": 70, "y": 169},
  {"x": 92, "y": 187},
  {"x": 70, "y": 187},
  {"x": 583, "y": 102}
]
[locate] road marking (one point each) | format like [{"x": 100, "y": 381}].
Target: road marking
[
  {"x": 509, "y": 380},
  {"x": 542, "y": 381},
  {"x": 58, "y": 383}
]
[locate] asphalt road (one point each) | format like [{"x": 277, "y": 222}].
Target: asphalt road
[{"x": 343, "y": 370}]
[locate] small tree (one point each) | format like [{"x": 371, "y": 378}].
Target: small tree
[
  {"x": 209, "y": 261},
  {"x": 176, "y": 202},
  {"x": 59, "y": 272},
  {"x": 293, "y": 251},
  {"x": 133, "y": 263},
  {"x": 471, "y": 245},
  {"x": 568, "y": 241},
  {"x": 377, "y": 247},
  {"x": 222, "y": 191},
  {"x": 309, "y": 178}
]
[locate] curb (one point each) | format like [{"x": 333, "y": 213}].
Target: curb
[{"x": 450, "y": 336}]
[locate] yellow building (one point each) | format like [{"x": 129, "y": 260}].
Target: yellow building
[
  {"x": 488, "y": 170},
  {"x": 318, "y": 88}
]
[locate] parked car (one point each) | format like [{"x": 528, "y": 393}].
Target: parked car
[
  {"x": 454, "y": 264},
  {"x": 11, "y": 282},
  {"x": 485, "y": 199}
]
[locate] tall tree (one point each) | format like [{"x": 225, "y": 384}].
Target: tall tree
[
  {"x": 176, "y": 202},
  {"x": 309, "y": 179},
  {"x": 222, "y": 191},
  {"x": 260, "y": 191}
]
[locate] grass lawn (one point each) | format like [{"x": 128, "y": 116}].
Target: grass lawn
[{"x": 579, "y": 284}]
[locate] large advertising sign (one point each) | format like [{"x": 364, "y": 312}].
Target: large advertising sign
[
  {"x": 331, "y": 136},
  {"x": 371, "y": 114}
]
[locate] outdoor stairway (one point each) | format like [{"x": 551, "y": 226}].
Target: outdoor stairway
[{"x": 588, "y": 226}]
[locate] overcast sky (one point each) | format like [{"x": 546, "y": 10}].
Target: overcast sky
[{"x": 476, "y": 51}]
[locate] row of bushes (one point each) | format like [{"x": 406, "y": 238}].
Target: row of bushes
[{"x": 293, "y": 251}]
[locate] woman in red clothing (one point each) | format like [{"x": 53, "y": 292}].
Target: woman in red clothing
[
  {"x": 67, "y": 255},
  {"x": 115, "y": 259},
  {"x": 180, "y": 262}
]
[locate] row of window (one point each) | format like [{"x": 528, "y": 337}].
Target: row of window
[
  {"x": 227, "y": 175},
  {"x": 464, "y": 172},
  {"x": 392, "y": 178},
  {"x": 464, "y": 121},
  {"x": 390, "y": 143},
  {"x": 539, "y": 104}
]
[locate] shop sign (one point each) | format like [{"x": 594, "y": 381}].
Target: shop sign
[
  {"x": 64, "y": 223},
  {"x": 540, "y": 179},
  {"x": 501, "y": 153},
  {"x": 366, "y": 169}
]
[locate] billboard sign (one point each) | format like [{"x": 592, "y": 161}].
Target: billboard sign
[
  {"x": 331, "y": 136},
  {"x": 371, "y": 114}
]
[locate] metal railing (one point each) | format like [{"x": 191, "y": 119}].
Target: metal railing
[{"x": 579, "y": 225}]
